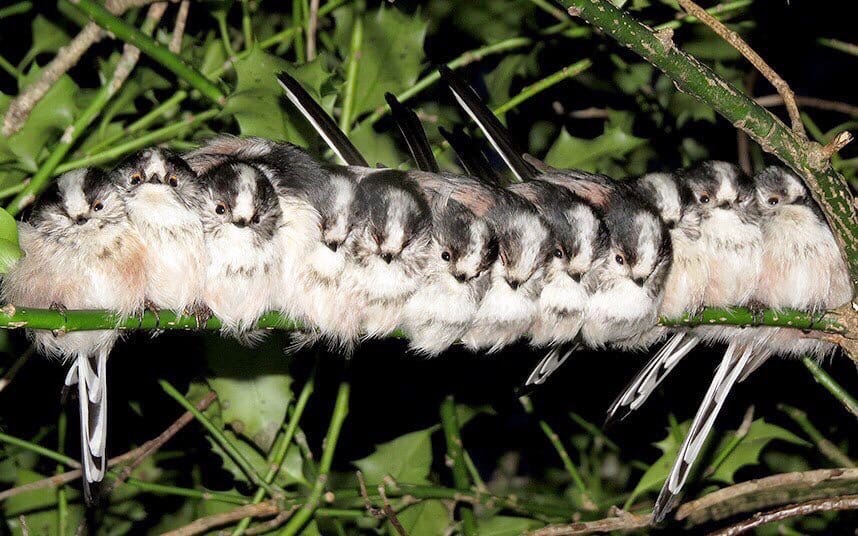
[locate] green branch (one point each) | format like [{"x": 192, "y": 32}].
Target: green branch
[
  {"x": 131, "y": 35},
  {"x": 691, "y": 76},
  {"x": 567, "y": 72},
  {"x": 456, "y": 453},
  {"x": 837, "y": 390},
  {"x": 12, "y": 317},
  {"x": 302, "y": 516}
]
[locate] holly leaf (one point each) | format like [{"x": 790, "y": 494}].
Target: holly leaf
[
  {"x": 428, "y": 518},
  {"x": 464, "y": 413},
  {"x": 406, "y": 459},
  {"x": 687, "y": 108},
  {"x": 253, "y": 387},
  {"x": 256, "y": 101},
  {"x": 47, "y": 37},
  {"x": 391, "y": 53},
  {"x": 291, "y": 472},
  {"x": 598, "y": 153},
  {"x": 655, "y": 477},
  {"x": 376, "y": 147},
  {"x": 747, "y": 451}
]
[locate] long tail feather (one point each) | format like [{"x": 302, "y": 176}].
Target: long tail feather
[
  {"x": 470, "y": 155},
  {"x": 489, "y": 124},
  {"x": 321, "y": 121},
  {"x": 92, "y": 398},
  {"x": 734, "y": 361},
  {"x": 413, "y": 134},
  {"x": 651, "y": 376},
  {"x": 552, "y": 361}
]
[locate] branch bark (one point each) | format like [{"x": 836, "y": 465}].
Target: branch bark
[{"x": 849, "y": 502}]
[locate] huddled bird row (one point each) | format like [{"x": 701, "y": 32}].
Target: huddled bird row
[{"x": 563, "y": 257}]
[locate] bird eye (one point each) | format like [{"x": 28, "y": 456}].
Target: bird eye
[
  {"x": 255, "y": 218},
  {"x": 620, "y": 260},
  {"x": 558, "y": 253},
  {"x": 704, "y": 199},
  {"x": 445, "y": 256},
  {"x": 173, "y": 181},
  {"x": 135, "y": 179},
  {"x": 97, "y": 206},
  {"x": 773, "y": 201},
  {"x": 220, "y": 208}
]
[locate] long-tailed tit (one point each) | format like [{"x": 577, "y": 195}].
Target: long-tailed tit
[
  {"x": 319, "y": 205},
  {"x": 240, "y": 212},
  {"x": 81, "y": 252},
  {"x": 162, "y": 195},
  {"x": 463, "y": 246},
  {"x": 684, "y": 287}
]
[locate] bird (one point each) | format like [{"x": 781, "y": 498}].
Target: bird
[
  {"x": 80, "y": 251},
  {"x": 241, "y": 215},
  {"x": 162, "y": 195}
]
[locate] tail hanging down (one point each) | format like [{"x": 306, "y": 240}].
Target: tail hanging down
[
  {"x": 735, "y": 360},
  {"x": 90, "y": 375}
]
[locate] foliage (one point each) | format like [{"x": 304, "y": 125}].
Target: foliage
[{"x": 366, "y": 48}]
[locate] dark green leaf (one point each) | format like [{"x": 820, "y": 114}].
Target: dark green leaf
[
  {"x": 507, "y": 526},
  {"x": 391, "y": 54},
  {"x": 406, "y": 459},
  {"x": 256, "y": 101},
  {"x": 427, "y": 518},
  {"x": 595, "y": 154},
  {"x": 47, "y": 37},
  {"x": 747, "y": 452}
]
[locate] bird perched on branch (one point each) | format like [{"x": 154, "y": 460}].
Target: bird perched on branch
[
  {"x": 241, "y": 216},
  {"x": 162, "y": 195},
  {"x": 81, "y": 252}
]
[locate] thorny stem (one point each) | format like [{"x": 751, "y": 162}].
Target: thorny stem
[
  {"x": 341, "y": 410},
  {"x": 831, "y": 385},
  {"x": 829, "y": 188},
  {"x": 218, "y": 436},
  {"x": 352, "y": 75},
  {"x": 826, "y": 447},
  {"x": 281, "y": 450},
  {"x": 456, "y": 454}
]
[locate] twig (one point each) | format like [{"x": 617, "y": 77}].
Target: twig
[
  {"x": 589, "y": 113},
  {"x": 130, "y": 53},
  {"x": 389, "y": 513},
  {"x": 179, "y": 27},
  {"x": 849, "y": 502},
  {"x": 154, "y": 445},
  {"x": 66, "y": 58},
  {"x": 279, "y": 454},
  {"x": 811, "y": 102},
  {"x": 826, "y": 447},
  {"x": 842, "y": 46},
  {"x": 271, "y": 524},
  {"x": 837, "y": 144},
  {"x": 567, "y": 72},
  {"x": 743, "y": 142},
  {"x": 562, "y": 453},
  {"x": 16, "y": 367},
  {"x": 824, "y": 379},
  {"x": 751, "y": 55},
  {"x": 25, "y": 530},
  {"x": 370, "y": 509},
  {"x": 204, "y": 524},
  {"x": 219, "y": 437},
  {"x": 341, "y": 410},
  {"x": 312, "y": 29},
  {"x": 135, "y": 456},
  {"x": 455, "y": 455},
  {"x": 74, "y": 131},
  {"x": 619, "y": 521}
]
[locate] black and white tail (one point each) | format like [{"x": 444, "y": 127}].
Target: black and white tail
[
  {"x": 413, "y": 134},
  {"x": 490, "y": 125},
  {"x": 735, "y": 360},
  {"x": 321, "y": 121},
  {"x": 552, "y": 361},
  {"x": 90, "y": 375},
  {"x": 646, "y": 381},
  {"x": 470, "y": 156}
]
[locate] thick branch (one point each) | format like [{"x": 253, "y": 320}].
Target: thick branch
[{"x": 849, "y": 502}]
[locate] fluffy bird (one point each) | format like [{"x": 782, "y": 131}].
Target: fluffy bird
[
  {"x": 81, "y": 252},
  {"x": 162, "y": 195},
  {"x": 463, "y": 246},
  {"x": 241, "y": 215}
]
